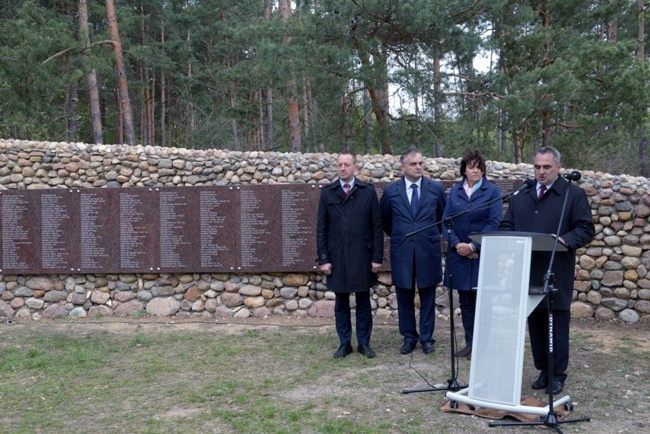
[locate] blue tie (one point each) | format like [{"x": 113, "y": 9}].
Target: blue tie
[{"x": 414, "y": 199}]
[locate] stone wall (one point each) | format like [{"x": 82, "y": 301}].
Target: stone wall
[{"x": 612, "y": 273}]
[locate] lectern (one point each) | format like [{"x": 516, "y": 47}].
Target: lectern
[{"x": 504, "y": 301}]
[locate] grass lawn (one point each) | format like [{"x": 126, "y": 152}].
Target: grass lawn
[{"x": 278, "y": 376}]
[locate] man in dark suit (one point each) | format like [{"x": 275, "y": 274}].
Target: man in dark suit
[
  {"x": 539, "y": 211},
  {"x": 350, "y": 245},
  {"x": 408, "y": 205}
]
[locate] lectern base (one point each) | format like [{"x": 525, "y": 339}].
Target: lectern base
[
  {"x": 562, "y": 411},
  {"x": 461, "y": 396}
]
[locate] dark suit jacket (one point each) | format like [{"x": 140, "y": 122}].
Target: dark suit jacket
[
  {"x": 482, "y": 218},
  {"x": 422, "y": 249},
  {"x": 577, "y": 229},
  {"x": 349, "y": 236}
]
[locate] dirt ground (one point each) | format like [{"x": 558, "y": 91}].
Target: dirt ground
[{"x": 608, "y": 373}]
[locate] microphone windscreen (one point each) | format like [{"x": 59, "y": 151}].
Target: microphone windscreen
[{"x": 573, "y": 176}]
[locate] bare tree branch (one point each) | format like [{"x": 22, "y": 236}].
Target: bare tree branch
[
  {"x": 61, "y": 53},
  {"x": 476, "y": 94}
]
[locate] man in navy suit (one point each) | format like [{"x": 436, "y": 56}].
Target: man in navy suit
[{"x": 408, "y": 205}]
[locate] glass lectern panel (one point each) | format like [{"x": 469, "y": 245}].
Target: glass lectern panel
[{"x": 500, "y": 322}]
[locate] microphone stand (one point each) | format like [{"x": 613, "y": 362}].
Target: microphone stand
[
  {"x": 452, "y": 383},
  {"x": 550, "y": 420},
  {"x": 505, "y": 197}
]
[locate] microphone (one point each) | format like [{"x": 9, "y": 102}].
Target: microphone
[
  {"x": 529, "y": 183},
  {"x": 573, "y": 176}
]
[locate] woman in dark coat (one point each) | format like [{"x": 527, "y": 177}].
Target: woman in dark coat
[{"x": 483, "y": 198}]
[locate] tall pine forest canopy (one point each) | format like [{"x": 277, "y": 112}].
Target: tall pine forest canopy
[{"x": 370, "y": 76}]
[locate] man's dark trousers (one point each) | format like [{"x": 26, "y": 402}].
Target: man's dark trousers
[
  {"x": 406, "y": 313},
  {"x": 538, "y": 331},
  {"x": 343, "y": 319}
]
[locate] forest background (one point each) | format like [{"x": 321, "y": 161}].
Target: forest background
[{"x": 369, "y": 76}]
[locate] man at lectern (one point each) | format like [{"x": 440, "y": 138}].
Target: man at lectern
[
  {"x": 350, "y": 243},
  {"x": 539, "y": 211}
]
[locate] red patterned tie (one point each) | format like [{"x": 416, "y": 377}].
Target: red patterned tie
[
  {"x": 347, "y": 188},
  {"x": 542, "y": 189}
]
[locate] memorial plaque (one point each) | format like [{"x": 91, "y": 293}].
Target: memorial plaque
[
  {"x": 98, "y": 228},
  {"x": 299, "y": 206},
  {"x": 379, "y": 189},
  {"x": 260, "y": 244},
  {"x": 21, "y": 232},
  {"x": 507, "y": 185},
  {"x": 252, "y": 228},
  {"x": 219, "y": 221},
  {"x": 59, "y": 231},
  {"x": 139, "y": 210},
  {"x": 179, "y": 234}
]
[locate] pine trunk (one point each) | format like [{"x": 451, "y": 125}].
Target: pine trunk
[
  {"x": 643, "y": 142},
  {"x": 163, "y": 100},
  {"x": 292, "y": 89},
  {"x": 123, "y": 87},
  {"x": 91, "y": 76},
  {"x": 367, "y": 112},
  {"x": 437, "y": 105}
]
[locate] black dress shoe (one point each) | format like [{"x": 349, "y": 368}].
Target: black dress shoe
[
  {"x": 557, "y": 387},
  {"x": 366, "y": 351},
  {"x": 541, "y": 382},
  {"x": 407, "y": 348},
  {"x": 428, "y": 347},
  {"x": 343, "y": 351},
  {"x": 465, "y": 352}
]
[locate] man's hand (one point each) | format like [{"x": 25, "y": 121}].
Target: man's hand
[
  {"x": 375, "y": 267},
  {"x": 465, "y": 249},
  {"x": 559, "y": 238},
  {"x": 326, "y": 268}
]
